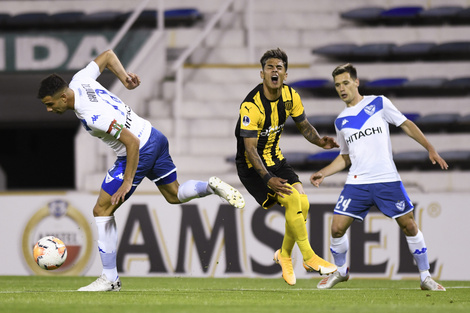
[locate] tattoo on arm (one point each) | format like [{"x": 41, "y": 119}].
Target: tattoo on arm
[{"x": 308, "y": 131}]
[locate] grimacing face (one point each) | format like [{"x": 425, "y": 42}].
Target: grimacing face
[
  {"x": 274, "y": 73},
  {"x": 347, "y": 88}
]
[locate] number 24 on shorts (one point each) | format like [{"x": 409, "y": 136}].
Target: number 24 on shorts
[{"x": 342, "y": 204}]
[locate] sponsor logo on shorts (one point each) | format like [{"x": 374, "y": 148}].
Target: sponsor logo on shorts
[{"x": 400, "y": 205}]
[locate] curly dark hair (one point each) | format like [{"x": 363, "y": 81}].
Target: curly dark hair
[
  {"x": 274, "y": 54},
  {"x": 345, "y": 68},
  {"x": 50, "y": 85}
]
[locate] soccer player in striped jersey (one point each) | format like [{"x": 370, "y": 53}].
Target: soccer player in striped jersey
[
  {"x": 262, "y": 168},
  {"x": 362, "y": 130}
]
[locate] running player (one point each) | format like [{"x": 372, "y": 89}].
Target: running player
[
  {"x": 362, "y": 130},
  {"x": 262, "y": 168},
  {"x": 142, "y": 151}
]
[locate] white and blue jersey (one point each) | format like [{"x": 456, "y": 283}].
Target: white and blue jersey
[
  {"x": 102, "y": 113},
  {"x": 363, "y": 134}
]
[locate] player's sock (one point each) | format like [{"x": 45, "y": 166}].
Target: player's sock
[
  {"x": 192, "y": 189},
  {"x": 296, "y": 223},
  {"x": 339, "y": 247},
  {"x": 419, "y": 251},
  {"x": 287, "y": 243},
  {"x": 305, "y": 205},
  {"x": 107, "y": 245}
]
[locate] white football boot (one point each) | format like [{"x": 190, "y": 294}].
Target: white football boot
[
  {"x": 227, "y": 192},
  {"x": 103, "y": 284}
]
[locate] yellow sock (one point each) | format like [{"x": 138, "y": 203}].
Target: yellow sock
[
  {"x": 287, "y": 243},
  {"x": 296, "y": 222}
]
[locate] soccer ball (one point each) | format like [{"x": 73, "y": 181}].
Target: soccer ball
[{"x": 50, "y": 253}]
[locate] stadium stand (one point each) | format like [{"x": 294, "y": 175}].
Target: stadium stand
[
  {"x": 104, "y": 19},
  {"x": 409, "y": 15},
  {"x": 439, "y": 122}
]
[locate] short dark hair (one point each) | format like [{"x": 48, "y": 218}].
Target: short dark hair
[
  {"x": 345, "y": 68},
  {"x": 50, "y": 85},
  {"x": 274, "y": 54}
]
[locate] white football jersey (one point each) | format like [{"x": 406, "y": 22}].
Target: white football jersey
[
  {"x": 363, "y": 133},
  {"x": 102, "y": 113}
]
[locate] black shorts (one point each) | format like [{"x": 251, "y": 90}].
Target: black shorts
[{"x": 256, "y": 186}]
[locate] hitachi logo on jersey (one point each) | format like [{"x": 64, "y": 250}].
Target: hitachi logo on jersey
[
  {"x": 90, "y": 93},
  {"x": 272, "y": 130},
  {"x": 364, "y": 133}
]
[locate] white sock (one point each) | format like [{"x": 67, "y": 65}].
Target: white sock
[
  {"x": 339, "y": 248},
  {"x": 192, "y": 189},
  {"x": 107, "y": 245},
  {"x": 419, "y": 251}
]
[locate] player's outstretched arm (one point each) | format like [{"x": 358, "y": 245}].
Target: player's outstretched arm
[
  {"x": 109, "y": 60},
  {"x": 341, "y": 162},
  {"x": 311, "y": 134},
  {"x": 414, "y": 132}
]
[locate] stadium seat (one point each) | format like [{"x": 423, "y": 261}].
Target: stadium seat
[
  {"x": 413, "y": 51},
  {"x": 373, "y": 52},
  {"x": 65, "y": 20},
  {"x": 458, "y": 50},
  {"x": 337, "y": 51},
  {"x": 3, "y": 18},
  {"x": 462, "y": 124},
  {"x": 146, "y": 19},
  {"x": 101, "y": 20},
  {"x": 457, "y": 159},
  {"x": 23, "y": 21},
  {"x": 312, "y": 87},
  {"x": 385, "y": 86},
  {"x": 439, "y": 15},
  {"x": 298, "y": 160},
  {"x": 457, "y": 87},
  {"x": 319, "y": 160},
  {"x": 462, "y": 17},
  {"x": 437, "y": 122},
  {"x": 411, "y": 160},
  {"x": 324, "y": 123},
  {"x": 423, "y": 87},
  {"x": 365, "y": 15},
  {"x": 182, "y": 17},
  {"x": 400, "y": 15}
]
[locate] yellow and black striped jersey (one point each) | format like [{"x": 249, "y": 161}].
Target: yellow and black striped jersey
[{"x": 264, "y": 119}]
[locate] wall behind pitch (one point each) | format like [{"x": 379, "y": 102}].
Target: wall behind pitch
[{"x": 208, "y": 238}]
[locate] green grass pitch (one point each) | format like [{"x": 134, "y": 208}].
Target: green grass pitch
[{"x": 226, "y": 295}]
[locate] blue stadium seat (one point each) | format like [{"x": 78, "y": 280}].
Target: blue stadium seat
[
  {"x": 319, "y": 160},
  {"x": 437, "y": 122},
  {"x": 312, "y": 87},
  {"x": 34, "y": 20},
  {"x": 401, "y": 15},
  {"x": 384, "y": 86},
  {"x": 366, "y": 15},
  {"x": 439, "y": 15},
  {"x": 413, "y": 51},
  {"x": 182, "y": 17}
]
